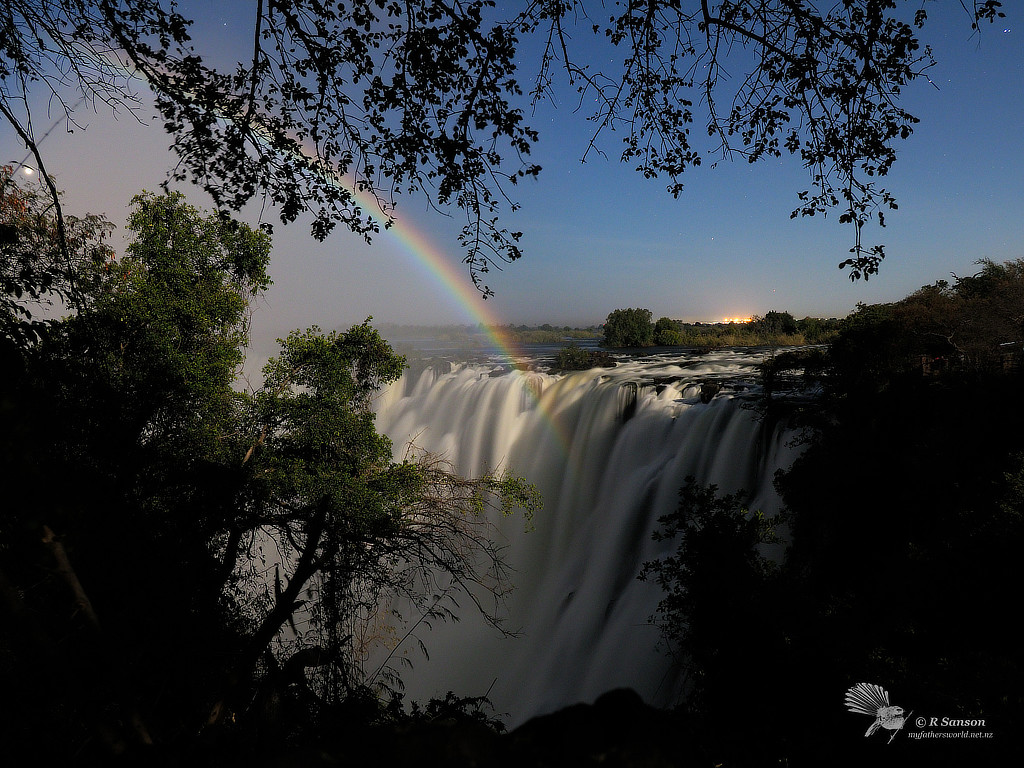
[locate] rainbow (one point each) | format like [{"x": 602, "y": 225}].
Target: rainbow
[
  {"x": 417, "y": 245},
  {"x": 456, "y": 285},
  {"x": 452, "y": 281}
]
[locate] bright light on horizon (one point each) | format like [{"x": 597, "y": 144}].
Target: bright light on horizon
[{"x": 737, "y": 319}]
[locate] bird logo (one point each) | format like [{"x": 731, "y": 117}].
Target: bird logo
[{"x": 869, "y": 699}]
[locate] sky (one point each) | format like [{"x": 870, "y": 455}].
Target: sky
[{"x": 598, "y": 236}]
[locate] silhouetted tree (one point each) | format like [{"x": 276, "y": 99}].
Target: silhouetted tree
[
  {"x": 174, "y": 551},
  {"x": 719, "y": 614},
  {"x": 968, "y": 328},
  {"x": 629, "y": 328},
  {"x": 426, "y": 96},
  {"x": 774, "y": 323},
  {"x": 667, "y": 332},
  {"x": 903, "y": 517}
]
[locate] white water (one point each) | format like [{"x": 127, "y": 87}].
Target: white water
[{"x": 605, "y": 480}]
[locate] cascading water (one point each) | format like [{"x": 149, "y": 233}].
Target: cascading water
[{"x": 609, "y": 450}]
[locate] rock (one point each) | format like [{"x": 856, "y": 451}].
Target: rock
[
  {"x": 708, "y": 389},
  {"x": 618, "y": 730}
]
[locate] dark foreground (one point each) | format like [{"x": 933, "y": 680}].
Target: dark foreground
[{"x": 617, "y": 731}]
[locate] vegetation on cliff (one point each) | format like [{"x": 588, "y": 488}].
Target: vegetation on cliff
[{"x": 904, "y": 517}]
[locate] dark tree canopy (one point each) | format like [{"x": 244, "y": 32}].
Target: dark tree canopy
[
  {"x": 968, "y": 328},
  {"x": 775, "y": 323},
  {"x": 911, "y": 472},
  {"x": 177, "y": 555},
  {"x": 429, "y": 96},
  {"x": 629, "y": 328},
  {"x": 668, "y": 332}
]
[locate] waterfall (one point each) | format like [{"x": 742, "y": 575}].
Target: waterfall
[{"x": 608, "y": 449}]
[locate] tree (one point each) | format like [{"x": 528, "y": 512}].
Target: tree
[
  {"x": 353, "y": 529},
  {"x": 118, "y": 421},
  {"x": 426, "y": 96},
  {"x": 574, "y": 358},
  {"x": 969, "y": 328},
  {"x": 955, "y": 527},
  {"x": 893, "y": 488},
  {"x": 774, "y": 323},
  {"x": 34, "y": 273},
  {"x": 629, "y": 328},
  {"x": 817, "y": 330},
  {"x": 668, "y": 332},
  {"x": 977, "y": 318},
  {"x": 717, "y": 612},
  {"x": 176, "y": 553}
]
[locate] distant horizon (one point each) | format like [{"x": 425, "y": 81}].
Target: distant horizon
[{"x": 587, "y": 326}]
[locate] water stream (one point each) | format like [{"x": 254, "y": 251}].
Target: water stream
[{"x": 608, "y": 449}]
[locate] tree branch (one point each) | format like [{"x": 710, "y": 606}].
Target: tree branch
[
  {"x": 709, "y": 20},
  {"x": 54, "y": 195}
]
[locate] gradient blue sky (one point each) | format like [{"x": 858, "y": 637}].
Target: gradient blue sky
[{"x": 598, "y": 236}]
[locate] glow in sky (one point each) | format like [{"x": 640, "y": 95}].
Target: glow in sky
[{"x": 598, "y": 236}]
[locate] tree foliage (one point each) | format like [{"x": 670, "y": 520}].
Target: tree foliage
[
  {"x": 629, "y": 328},
  {"x": 969, "y": 327},
  {"x": 719, "y": 615},
  {"x": 177, "y": 555},
  {"x": 668, "y": 332},
  {"x": 116, "y": 427},
  {"x": 775, "y": 323},
  {"x": 712, "y": 580},
  {"x": 35, "y": 273},
  {"x": 899, "y": 574},
  {"x": 903, "y": 517},
  {"x": 428, "y": 96},
  {"x": 575, "y": 358}
]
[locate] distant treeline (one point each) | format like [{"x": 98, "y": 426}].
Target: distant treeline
[
  {"x": 636, "y": 328},
  {"x": 547, "y": 334}
]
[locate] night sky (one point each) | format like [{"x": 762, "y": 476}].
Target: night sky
[{"x": 599, "y": 236}]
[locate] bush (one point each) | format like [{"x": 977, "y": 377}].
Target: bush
[
  {"x": 629, "y": 328},
  {"x": 575, "y": 358},
  {"x": 719, "y": 613},
  {"x": 668, "y": 337},
  {"x": 774, "y": 323}
]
